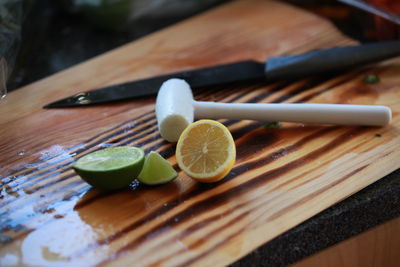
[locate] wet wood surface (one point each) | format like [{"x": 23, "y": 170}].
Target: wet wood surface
[{"x": 282, "y": 176}]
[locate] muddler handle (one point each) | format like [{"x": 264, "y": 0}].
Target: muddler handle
[{"x": 368, "y": 115}]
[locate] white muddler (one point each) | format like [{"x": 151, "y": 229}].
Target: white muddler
[{"x": 176, "y": 109}]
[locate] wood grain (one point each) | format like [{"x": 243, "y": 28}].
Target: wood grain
[
  {"x": 282, "y": 177},
  {"x": 376, "y": 247}
]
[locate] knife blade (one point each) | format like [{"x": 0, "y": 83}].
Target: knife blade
[{"x": 274, "y": 69}]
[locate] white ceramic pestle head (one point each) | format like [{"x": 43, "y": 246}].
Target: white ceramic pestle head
[{"x": 174, "y": 108}]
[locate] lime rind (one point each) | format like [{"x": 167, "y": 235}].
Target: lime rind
[{"x": 156, "y": 170}]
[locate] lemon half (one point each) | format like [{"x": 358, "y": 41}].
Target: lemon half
[{"x": 206, "y": 151}]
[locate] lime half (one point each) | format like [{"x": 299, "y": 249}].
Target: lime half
[
  {"x": 156, "y": 170},
  {"x": 111, "y": 168}
]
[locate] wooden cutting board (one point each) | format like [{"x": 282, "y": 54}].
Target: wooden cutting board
[{"x": 282, "y": 176}]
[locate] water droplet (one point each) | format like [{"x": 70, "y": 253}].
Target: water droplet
[
  {"x": 134, "y": 185},
  {"x": 106, "y": 145},
  {"x": 21, "y": 153},
  {"x": 51, "y": 152}
]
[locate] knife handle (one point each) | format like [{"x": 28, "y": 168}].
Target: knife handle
[
  {"x": 368, "y": 115},
  {"x": 333, "y": 59}
]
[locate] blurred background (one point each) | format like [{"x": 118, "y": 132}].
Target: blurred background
[{"x": 41, "y": 37}]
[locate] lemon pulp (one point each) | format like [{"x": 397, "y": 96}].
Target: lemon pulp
[{"x": 206, "y": 151}]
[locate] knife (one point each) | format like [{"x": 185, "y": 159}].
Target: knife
[{"x": 275, "y": 69}]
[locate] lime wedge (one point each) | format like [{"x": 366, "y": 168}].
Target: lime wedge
[
  {"x": 156, "y": 170},
  {"x": 110, "y": 168}
]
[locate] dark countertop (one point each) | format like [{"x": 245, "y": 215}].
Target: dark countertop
[
  {"x": 371, "y": 206},
  {"x": 58, "y": 40}
]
